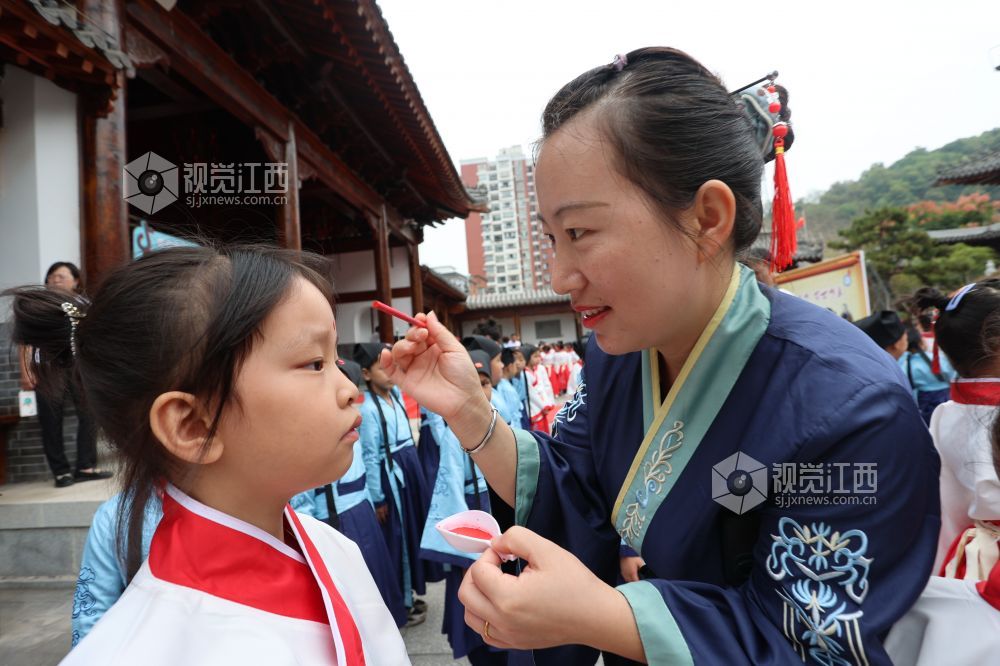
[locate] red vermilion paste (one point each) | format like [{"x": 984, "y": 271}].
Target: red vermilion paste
[{"x": 472, "y": 532}]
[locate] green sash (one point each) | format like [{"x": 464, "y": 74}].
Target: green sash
[{"x": 677, "y": 426}]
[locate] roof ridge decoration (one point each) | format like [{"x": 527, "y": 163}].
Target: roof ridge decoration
[{"x": 89, "y": 34}]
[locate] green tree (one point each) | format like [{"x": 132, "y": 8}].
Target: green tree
[
  {"x": 892, "y": 245},
  {"x": 963, "y": 264},
  {"x": 901, "y": 254}
]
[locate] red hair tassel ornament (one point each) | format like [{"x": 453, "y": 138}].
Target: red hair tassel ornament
[{"x": 784, "y": 230}]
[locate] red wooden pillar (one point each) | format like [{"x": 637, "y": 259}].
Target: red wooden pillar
[
  {"x": 290, "y": 226},
  {"x": 416, "y": 278},
  {"x": 383, "y": 285},
  {"x": 105, "y": 236}
]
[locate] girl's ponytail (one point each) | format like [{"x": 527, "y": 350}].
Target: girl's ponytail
[
  {"x": 48, "y": 321},
  {"x": 929, "y": 297},
  {"x": 967, "y": 329}
]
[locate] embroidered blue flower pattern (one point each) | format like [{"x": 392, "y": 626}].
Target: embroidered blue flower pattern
[
  {"x": 83, "y": 599},
  {"x": 828, "y": 575}
]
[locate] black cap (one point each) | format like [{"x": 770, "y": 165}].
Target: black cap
[
  {"x": 366, "y": 353},
  {"x": 482, "y": 343},
  {"x": 527, "y": 351},
  {"x": 351, "y": 369},
  {"x": 884, "y": 327},
  {"x": 482, "y": 362}
]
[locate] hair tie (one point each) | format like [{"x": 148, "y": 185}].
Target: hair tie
[
  {"x": 75, "y": 315},
  {"x": 619, "y": 62},
  {"x": 957, "y": 298}
]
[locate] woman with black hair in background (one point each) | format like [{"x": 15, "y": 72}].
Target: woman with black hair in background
[{"x": 64, "y": 276}]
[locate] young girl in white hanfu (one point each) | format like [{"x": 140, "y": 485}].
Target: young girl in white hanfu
[
  {"x": 212, "y": 371},
  {"x": 957, "y": 618}
]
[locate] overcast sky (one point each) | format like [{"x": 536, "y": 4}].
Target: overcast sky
[{"x": 868, "y": 81}]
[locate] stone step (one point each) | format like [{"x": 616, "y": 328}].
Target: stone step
[
  {"x": 37, "y": 582},
  {"x": 43, "y": 528}
]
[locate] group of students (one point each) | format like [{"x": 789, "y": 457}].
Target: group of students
[
  {"x": 538, "y": 375},
  {"x": 951, "y": 360},
  {"x": 560, "y": 359}
]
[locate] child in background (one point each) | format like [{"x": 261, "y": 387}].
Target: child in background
[
  {"x": 968, "y": 331},
  {"x": 520, "y": 383},
  {"x": 576, "y": 369},
  {"x": 540, "y": 397},
  {"x": 394, "y": 476},
  {"x": 354, "y": 516},
  {"x": 503, "y": 513},
  {"x": 954, "y": 621},
  {"x": 505, "y": 389},
  {"x": 493, "y": 352},
  {"x": 460, "y": 486},
  {"x": 930, "y": 387},
  {"x": 227, "y": 402}
]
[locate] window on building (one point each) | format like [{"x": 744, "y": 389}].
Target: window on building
[{"x": 548, "y": 329}]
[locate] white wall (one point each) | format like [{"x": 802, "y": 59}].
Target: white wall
[
  {"x": 355, "y": 271},
  {"x": 39, "y": 178}
]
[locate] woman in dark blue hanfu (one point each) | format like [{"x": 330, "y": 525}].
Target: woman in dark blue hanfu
[{"x": 762, "y": 455}]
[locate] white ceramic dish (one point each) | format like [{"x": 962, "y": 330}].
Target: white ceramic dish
[{"x": 479, "y": 520}]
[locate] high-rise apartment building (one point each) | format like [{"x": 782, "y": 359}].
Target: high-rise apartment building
[{"x": 506, "y": 247}]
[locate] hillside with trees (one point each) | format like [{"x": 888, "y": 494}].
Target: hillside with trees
[{"x": 908, "y": 181}]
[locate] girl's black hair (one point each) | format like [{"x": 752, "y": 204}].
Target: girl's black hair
[
  {"x": 507, "y": 356},
  {"x": 184, "y": 319},
  {"x": 71, "y": 267},
  {"x": 970, "y": 333},
  {"x": 673, "y": 126}
]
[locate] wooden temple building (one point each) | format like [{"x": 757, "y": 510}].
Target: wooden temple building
[
  {"x": 88, "y": 87},
  {"x": 981, "y": 170}
]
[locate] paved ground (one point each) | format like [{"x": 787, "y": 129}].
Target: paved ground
[{"x": 35, "y": 629}]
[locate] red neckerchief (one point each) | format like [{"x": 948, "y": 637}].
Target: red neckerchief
[
  {"x": 196, "y": 551},
  {"x": 984, "y": 391},
  {"x": 989, "y": 589}
]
